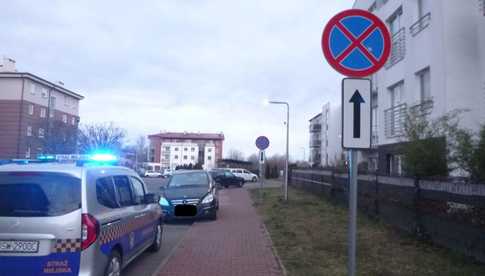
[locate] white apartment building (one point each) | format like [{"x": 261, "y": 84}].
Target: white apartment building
[
  {"x": 316, "y": 139},
  {"x": 175, "y": 154},
  {"x": 437, "y": 65}
]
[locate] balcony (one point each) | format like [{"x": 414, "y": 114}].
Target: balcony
[
  {"x": 398, "y": 51},
  {"x": 316, "y": 128},
  {"x": 316, "y": 144},
  {"x": 420, "y": 25},
  {"x": 394, "y": 119},
  {"x": 422, "y": 109}
]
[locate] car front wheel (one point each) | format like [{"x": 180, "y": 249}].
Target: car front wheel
[{"x": 255, "y": 179}]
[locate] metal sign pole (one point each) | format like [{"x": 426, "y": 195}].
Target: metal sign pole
[
  {"x": 261, "y": 174},
  {"x": 352, "y": 232}
]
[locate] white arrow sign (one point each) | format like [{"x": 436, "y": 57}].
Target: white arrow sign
[{"x": 356, "y": 113}]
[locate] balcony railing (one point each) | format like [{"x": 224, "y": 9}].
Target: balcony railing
[
  {"x": 316, "y": 144},
  {"x": 424, "y": 108},
  {"x": 394, "y": 119},
  {"x": 316, "y": 128},
  {"x": 398, "y": 51},
  {"x": 420, "y": 25}
]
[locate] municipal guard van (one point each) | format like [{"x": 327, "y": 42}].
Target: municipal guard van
[{"x": 74, "y": 219}]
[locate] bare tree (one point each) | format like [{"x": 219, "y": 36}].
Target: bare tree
[
  {"x": 102, "y": 136},
  {"x": 60, "y": 138},
  {"x": 141, "y": 149},
  {"x": 235, "y": 155}
]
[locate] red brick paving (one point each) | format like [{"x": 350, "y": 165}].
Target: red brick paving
[{"x": 235, "y": 244}]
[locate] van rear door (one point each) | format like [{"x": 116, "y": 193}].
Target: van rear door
[{"x": 40, "y": 223}]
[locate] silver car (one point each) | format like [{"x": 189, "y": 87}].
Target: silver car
[{"x": 67, "y": 219}]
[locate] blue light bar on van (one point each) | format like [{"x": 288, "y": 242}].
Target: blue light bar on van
[
  {"x": 46, "y": 157},
  {"x": 103, "y": 157}
]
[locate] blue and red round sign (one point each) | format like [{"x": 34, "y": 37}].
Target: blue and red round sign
[
  {"x": 356, "y": 43},
  {"x": 262, "y": 142}
]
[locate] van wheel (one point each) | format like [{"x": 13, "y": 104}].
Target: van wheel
[
  {"x": 255, "y": 179},
  {"x": 157, "y": 242},
  {"x": 113, "y": 267}
]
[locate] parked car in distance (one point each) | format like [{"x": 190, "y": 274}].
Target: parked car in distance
[
  {"x": 226, "y": 178},
  {"x": 83, "y": 220},
  {"x": 245, "y": 174},
  {"x": 152, "y": 174},
  {"x": 189, "y": 195},
  {"x": 167, "y": 172}
]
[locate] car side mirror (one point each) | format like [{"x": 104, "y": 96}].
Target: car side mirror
[{"x": 151, "y": 198}]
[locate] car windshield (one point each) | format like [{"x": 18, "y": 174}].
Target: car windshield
[
  {"x": 32, "y": 194},
  {"x": 188, "y": 179}
]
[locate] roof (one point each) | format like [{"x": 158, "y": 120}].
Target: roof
[
  {"x": 67, "y": 168},
  {"x": 41, "y": 80},
  {"x": 188, "y": 135},
  {"x": 234, "y": 161},
  {"x": 316, "y": 116}
]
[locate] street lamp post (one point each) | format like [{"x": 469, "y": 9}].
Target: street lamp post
[{"x": 287, "y": 144}]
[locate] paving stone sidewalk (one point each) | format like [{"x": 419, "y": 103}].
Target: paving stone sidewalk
[{"x": 235, "y": 244}]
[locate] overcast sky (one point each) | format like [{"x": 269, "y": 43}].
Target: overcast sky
[{"x": 184, "y": 65}]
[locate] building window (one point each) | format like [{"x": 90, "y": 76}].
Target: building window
[
  {"x": 396, "y": 92},
  {"x": 192, "y": 157},
  {"x": 185, "y": 157},
  {"x": 209, "y": 150},
  {"x": 185, "y": 149},
  {"x": 64, "y": 118},
  {"x": 424, "y": 85},
  {"x": 73, "y": 121},
  {"x": 32, "y": 88},
  {"x": 395, "y": 21},
  {"x": 29, "y": 131},
  {"x": 176, "y": 149},
  {"x": 43, "y": 112},
  {"x": 27, "y": 153},
  {"x": 209, "y": 157},
  {"x": 192, "y": 149},
  {"x": 176, "y": 157},
  {"x": 31, "y": 109},
  {"x": 43, "y": 92},
  {"x": 41, "y": 133}
]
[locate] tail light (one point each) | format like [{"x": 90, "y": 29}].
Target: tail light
[{"x": 90, "y": 230}]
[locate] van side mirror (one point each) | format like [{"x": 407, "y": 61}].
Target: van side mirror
[{"x": 151, "y": 198}]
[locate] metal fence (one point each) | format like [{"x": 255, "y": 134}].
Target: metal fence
[
  {"x": 394, "y": 118},
  {"x": 447, "y": 214}
]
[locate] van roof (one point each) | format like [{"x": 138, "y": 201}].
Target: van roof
[{"x": 67, "y": 168}]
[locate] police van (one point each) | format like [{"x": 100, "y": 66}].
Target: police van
[{"x": 84, "y": 218}]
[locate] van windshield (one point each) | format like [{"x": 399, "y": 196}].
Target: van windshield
[{"x": 38, "y": 194}]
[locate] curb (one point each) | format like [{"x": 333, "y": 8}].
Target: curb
[
  {"x": 169, "y": 256},
  {"x": 275, "y": 252}
]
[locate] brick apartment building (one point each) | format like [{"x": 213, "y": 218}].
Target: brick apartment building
[
  {"x": 36, "y": 116},
  {"x": 172, "y": 149}
]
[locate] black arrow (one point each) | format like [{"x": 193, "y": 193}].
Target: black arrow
[{"x": 357, "y": 100}]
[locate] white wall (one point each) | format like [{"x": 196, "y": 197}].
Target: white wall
[{"x": 10, "y": 89}]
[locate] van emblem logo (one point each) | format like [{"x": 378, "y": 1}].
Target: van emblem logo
[{"x": 132, "y": 239}]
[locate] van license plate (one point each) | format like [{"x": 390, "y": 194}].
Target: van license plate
[{"x": 19, "y": 246}]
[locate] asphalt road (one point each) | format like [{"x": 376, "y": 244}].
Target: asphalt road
[{"x": 148, "y": 263}]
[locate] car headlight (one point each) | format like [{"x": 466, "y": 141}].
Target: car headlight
[
  {"x": 208, "y": 199},
  {"x": 163, "y": 201}
]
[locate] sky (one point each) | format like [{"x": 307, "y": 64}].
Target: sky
[{"x": 184, "y": 65}]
